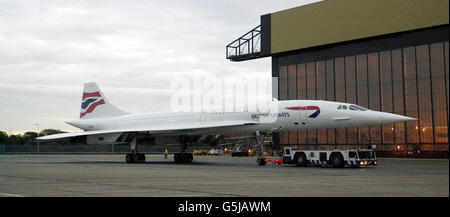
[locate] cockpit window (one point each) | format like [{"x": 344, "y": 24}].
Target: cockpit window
[
  {"x": 352, "y": 107},
  {"x": 358, "y": 107}
]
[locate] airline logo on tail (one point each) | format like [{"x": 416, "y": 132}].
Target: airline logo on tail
[
  {"x": 312, "y": 107},
  {"x": 90, "y": 102}
]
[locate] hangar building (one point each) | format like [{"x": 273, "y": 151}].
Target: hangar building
[{"x": 388, "y": 55}]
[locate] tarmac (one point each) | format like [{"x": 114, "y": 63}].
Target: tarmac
[{"x": 68, "y": 175}]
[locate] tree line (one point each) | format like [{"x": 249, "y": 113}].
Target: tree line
[
  {"x": 28, "y": 138},
  {"x": 25, "y": 139}
]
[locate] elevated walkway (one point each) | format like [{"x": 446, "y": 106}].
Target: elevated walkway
[{"x": 246, "y": 47}]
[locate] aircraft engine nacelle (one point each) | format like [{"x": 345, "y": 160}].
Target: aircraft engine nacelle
[{"x": 102, "y": 138}]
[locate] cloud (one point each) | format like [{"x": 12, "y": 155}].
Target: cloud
[{"x": 132, "y": 49}]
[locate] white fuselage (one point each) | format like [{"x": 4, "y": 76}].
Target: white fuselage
[{"x": 290, "y": 115}]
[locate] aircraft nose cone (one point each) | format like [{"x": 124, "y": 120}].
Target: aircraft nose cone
[
  {"x": 406, "y": 118},
  {"x": 389, "y": 118}
]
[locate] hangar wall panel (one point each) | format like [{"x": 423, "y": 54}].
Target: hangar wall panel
[
  {"x": 407, "y": 79},
  {"x": 334, "y": 21}
]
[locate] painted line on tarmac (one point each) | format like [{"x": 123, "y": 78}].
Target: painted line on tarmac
[
  {"x": 12, "y": 195},
  {"x": 411, "y": 159}
]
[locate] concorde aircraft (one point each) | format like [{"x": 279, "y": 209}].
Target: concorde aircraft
[{"x": 102, "y": 122}]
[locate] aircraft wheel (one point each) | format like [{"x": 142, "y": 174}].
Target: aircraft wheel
[
  {"x": 141, "y": 157},
  {"x": 176, "y": 158},
  {"x": 129, "y": 158},
  {"x": 183, "y": 157},
  {"x": 135, "y": 158},
  {"x": 189, "y": 157},
  {"x": 186, "y": 157}
]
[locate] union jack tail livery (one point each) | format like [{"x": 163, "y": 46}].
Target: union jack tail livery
[{"x": 94, "y": 104}]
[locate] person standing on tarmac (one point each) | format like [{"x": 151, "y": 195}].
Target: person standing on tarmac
[{"x": 166, "y": 152}]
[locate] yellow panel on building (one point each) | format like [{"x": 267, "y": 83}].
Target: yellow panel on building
[{"x": 336, "y": 21}]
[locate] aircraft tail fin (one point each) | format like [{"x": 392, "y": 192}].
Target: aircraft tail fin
[{"x": 94, "y": 104}]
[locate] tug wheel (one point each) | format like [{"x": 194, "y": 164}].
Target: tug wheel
[
  {"x": 337, "y": 160},
  {"x": 300, "y": 160}
]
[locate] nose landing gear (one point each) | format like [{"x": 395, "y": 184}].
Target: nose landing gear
[{"x": 260, "y": 137}]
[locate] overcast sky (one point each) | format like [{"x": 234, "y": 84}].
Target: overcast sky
[{"x": 132, "y": 49}]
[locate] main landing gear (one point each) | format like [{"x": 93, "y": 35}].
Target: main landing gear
[
  {"x": 183, "y": 156},
  {"x": 134, "y": 156},
  {"x": 260, "y": 137}
]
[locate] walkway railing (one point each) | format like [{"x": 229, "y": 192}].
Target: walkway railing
[{"x": 245, "y": 47}]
